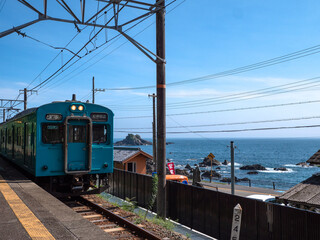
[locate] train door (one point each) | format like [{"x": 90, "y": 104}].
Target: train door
[
  {"x": 27, "y": 146},
  {"x": 13, "y": 142},
  {"x": 78, "y": 148}
]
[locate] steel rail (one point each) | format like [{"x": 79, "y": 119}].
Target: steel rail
[{"x": 120, "y": 220}]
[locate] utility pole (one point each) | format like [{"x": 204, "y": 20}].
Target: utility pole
[
  {"x": 4, "y": 115},
  {"x": 161, "y": 109},
  {"x": 154, "y": 130},
  {"x": 232, "y": 167},
  {"x": 94, "y": 90},
  {"x": 25, "y": 96}
]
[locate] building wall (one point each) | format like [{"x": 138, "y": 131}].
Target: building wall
[{"x": 140, "y": 161}]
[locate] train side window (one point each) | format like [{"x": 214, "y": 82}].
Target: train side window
[
  {"x": 52, "y": 133},
  {"x": 77, "y": 134},
  {"x": 100, "y": 133}
]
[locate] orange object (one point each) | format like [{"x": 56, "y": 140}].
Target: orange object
[{"x": 178, "y": 178}]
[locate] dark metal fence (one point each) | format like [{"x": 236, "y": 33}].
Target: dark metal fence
[{"x": 210, "y": 212}]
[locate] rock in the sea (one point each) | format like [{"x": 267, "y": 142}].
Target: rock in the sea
[
  {"x": 183, "y": 172},
  {"x": 227, "y": 179},
  {"x": 132, "y": 140},
  {"x": 280, "y": 169},
  {"x": 302, "y": 164},
  {"x": 244, "y": 179},
  {"x": 168, "y": 143},
  {"x": 253, "y": 172},
  {"x": 188, "y": 167},
  {"x": 218, "y": 168},
  {"x": 206, "y": 174},
  {"x": 253, "y": 167},
  {"x": 207, "y": 162},
  {"x": 225, "y": 162}
]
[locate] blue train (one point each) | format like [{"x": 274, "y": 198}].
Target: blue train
[{"x": 68, "y": 146}]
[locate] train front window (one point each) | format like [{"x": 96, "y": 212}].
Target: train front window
[
  {"x": 77, "y": 134},
  {"x": 52, "y": 133},
  {"x": 99, "y": 133}
]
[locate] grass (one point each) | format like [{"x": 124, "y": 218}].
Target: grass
[{"x": 167, "y": 224}]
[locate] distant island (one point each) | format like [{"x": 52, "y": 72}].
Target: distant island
[{"x": 133, "y": 140}]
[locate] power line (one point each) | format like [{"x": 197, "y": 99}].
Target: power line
[
  {"x": 230, "y": 109},
  {"x": 238, "y": 97},
  {"x": 238, "y": 130},
  {"x": 233, "y": 123},
  {"x": 270, "y": 62}
]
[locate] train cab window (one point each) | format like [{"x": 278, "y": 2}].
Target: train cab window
[
  {"x": 77, "y": 134},
  {"x": 52, "y": 133},
  {"x": 99, "y": 133}
]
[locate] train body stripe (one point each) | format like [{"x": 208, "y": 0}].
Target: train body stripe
[{"x": 29, "y": 221}]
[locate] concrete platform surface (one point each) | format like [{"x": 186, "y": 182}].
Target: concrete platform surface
[{"x": 29, "y": 212}]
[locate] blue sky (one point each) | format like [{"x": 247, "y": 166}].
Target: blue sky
[{"x": 202, "y": 38}]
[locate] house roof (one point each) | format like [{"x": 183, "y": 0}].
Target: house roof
[
  {"x": 315, "y": 158},
  {"x": 124, "y": 154},
  {"x": 306, "y": 192}
]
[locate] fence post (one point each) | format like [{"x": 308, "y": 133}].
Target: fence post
[
  {"x": 249, "y": 183},
  {"x": 236, "y": 222},
  {"x": 274, "y": 185}
]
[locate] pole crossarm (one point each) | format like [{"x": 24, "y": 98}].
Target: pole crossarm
[
  {"x": 143, "y": 49},
  {"x": 8, "y": 103}
]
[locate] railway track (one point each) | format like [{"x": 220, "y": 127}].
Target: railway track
[{"x": 108, "y": 220}]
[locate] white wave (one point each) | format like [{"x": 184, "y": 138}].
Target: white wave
[
  {"x": 192, "y": 159},
  {"x": 271, "y": 170},
  {"x": 236, "y": 164},
  {"x": 296, "y": 166}
]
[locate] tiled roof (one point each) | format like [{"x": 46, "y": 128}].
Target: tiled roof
[
  {"x": 306, "y": 192},
  {"x": 121, "y": 154},
  {"x": 315, "y": 158}
]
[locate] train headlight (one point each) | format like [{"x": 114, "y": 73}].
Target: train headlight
[
  {"x": 73, "y": 107},
  {"x": 80, "y": 108}
]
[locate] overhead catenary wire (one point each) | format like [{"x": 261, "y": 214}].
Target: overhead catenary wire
[{"x": 117, "y": 37}]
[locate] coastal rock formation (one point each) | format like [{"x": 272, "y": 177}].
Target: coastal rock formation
[
  {"x": 183, "y": 172},
  {"x": 253, "y": 167},
  {"x": 188, "y": 167},
  {"x": 227, "y": 179},
  {"x": 207, "y": 162},
  {"x": 218, "y": 168},
  {"x": 280, "y": 169},
  {"x": 132, "y": 140},
  {"x": 302, "y": 164},
  {"x": 225, "y": 162},
  {"x": 206, "y": 174},
  {"x": 253, "y": 172}
]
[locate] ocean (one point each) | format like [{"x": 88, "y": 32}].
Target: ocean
[{"x": 270, "y": 153}]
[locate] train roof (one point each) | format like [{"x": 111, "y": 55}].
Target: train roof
[
  {"x": 22, "y": 114},
  {"x": 32, "y": 110}
]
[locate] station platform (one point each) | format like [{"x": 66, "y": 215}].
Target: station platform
[{"x": 29, "y": 212}]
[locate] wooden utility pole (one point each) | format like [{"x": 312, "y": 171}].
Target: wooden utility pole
[
  {"x": 161, "y": 109},
  {"x": 25, "y": 98},
  {"x": 92, "y": 89},
  {"x": 154, "y": 130},
  {"x": 232, "y": 167}
]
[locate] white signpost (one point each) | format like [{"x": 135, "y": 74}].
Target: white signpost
[{"x": 236, "y": 222}]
